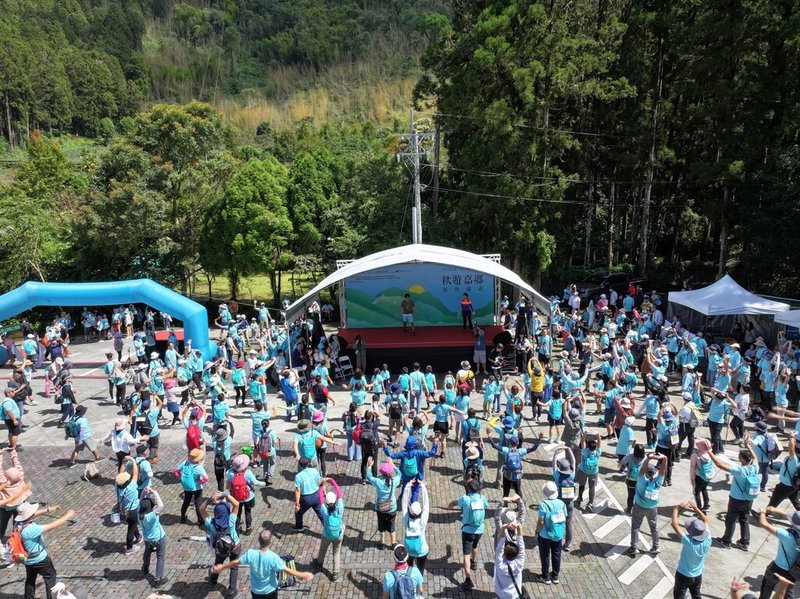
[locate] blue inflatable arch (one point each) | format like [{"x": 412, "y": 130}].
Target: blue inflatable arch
[{"x": 193, "y": 315}]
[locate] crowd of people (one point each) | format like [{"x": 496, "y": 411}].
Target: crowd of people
[{"x": 398, "y": 424}]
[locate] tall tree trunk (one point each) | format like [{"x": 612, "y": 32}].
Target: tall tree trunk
[
  {"x": 436, "y": 155},
  {"x": 611, "y": 225},
  {"x": 587, "y": 235},
  {"x": 233, "y": 281},
  {"x": 651, "y": 160},
  {"x": 723, "y": 235},
  {"x": 9, "y": 125}
]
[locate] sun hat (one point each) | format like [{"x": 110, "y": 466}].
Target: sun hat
[
  {"x": 472, "y": 453},
  {"x": 702, "y": 446},
  {"x": 565, "y": 354},
  {"x": 759, "y": 342},
  {"x": 240, "y": 462},
  {"x": 574, "y": 414},
  {"x": 386, "y": 469},
  {"x": 668, "y": 415},
  {"x": 550, "y": 490},
  {"x": 304, "y": 425},
  {"x": 794, "y": 518},
  {"x": 330, "y": 498},
  {"x": 119, "y": 424},
  {"x": 415, "y": 509},
  {"x": 507, "y": 516},
  {"x": 762, "y": 426},
  {"x": 696, "y": 529},
  {"x": 153, "y": 355},
  {"x": 686, "y": 396},
  {"x": 465, "y": 364},
  {"x": 222, "y": 512},
  {"x": 629, "y": 421},
  {"x": 625, "y": 402},
  {"x": 221, "y": 434},
  {"x": 141, "y": 367},
  {"x": 80, "y": 410},
  {"x": 508, "y": 422},
  {"x": 563, "y": 466},
  {"x": 122, "y": 479},
  {"x": 196, "y": 456},
  {"x": 25, "y": 511},
  {"x": 317, "y": 417}
]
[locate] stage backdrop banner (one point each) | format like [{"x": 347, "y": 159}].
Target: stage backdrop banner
[{"x": 373, "y": 298}]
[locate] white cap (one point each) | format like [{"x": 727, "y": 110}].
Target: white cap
[
  {"x": 550, "y": 490},
  {"x": 330, "y": 497}
]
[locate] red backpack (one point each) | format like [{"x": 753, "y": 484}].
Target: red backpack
[
  {"x": 239, "y": 487},
  {"x": 357, "y": 433},
  {"x": 194, "y": 438},
  {"x": 15, "y": 546}
]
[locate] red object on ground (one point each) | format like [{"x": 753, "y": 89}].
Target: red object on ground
[
  {"x": 394, "y": 338},
  {"x": 164, "y": 335}
]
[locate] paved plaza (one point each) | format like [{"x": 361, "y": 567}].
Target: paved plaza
[{"x": 89, "y": 554}]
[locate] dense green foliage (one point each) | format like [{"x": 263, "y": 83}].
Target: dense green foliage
[{"x": 661, "y": 137}]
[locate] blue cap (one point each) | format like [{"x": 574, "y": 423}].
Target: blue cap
[
  {"x": 222, "y": 512},
  {"x": 395, "y": 388},
  {"x": 508, "y": 422}
]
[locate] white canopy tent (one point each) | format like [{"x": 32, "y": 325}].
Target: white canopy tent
[
  {"x": 421, "y": 253},
  {"x": 790, "y": 317},
  {"x": 726, "y": 298}
]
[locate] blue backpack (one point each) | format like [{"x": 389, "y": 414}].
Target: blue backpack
[
  {"x": 554, "y": 520},
  {"x": 514, "y": 465},
  {"x": 404, "y": 587}
]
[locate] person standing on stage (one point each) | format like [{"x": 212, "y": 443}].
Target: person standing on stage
[
  {"x": 407, "y": 306},
  {"x": 466, "y": 312}
]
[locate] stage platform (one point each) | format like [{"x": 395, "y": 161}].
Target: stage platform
[{"x": 443, "y": 348}]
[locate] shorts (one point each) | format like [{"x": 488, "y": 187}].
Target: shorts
[
  {"x": 608, "y": 415},
  {"x": 479, "y": 356},
  {"x": 90, "y": 444},
  {"x": 553, "y": 422},
  {"x": 469, "y": 541},
  {"x": 581, "y": 478},
  {"x": 408, "y": 318},
  {"x": 153, "y": 442},
  {"x": 458, "y": 417},
  {"x": 441, "y": 427},
  {"x": 386, "y": 521},
  {"x": 395, "y": 423},
  {"x": 13, "y": 430}
]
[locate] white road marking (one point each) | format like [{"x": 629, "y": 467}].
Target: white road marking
[
  {"x": 90, "y": 372},
  {"x": 660, "y": 590},
  {"x": 618, "y": 549},
  {"x": 608, "y": 527},
  {"x": 639, "y": 566}
]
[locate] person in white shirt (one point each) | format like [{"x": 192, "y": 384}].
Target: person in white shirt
[
  {"x": 121, "y": 440},
  {"x": 575, "y": 302},
  {"x": 509, "y": 549}
]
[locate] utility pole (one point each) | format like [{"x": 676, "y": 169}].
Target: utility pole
[{"x": 416, "y": 140}]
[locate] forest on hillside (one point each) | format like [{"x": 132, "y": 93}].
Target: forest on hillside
[{"x": 649, "y": 136}]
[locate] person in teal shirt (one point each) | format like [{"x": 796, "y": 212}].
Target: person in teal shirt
[
  {"x": 265, "y": 567},
  {"x": 473, "y": 506},
  {"x": 240, "y": 466},
  {"x": 128, "y": 503},
  {"x": 695, "y": 545},
  {"x": 745, "y": 488},
  {"x": 626, "y": 439},
  {"x": 385, "y": 487},
  {"x": 239, "y": 381},
  {"x": 332, "y": 526},
  {"x": 404, "y": 379},
  {"x": 441, "y": 426},
  {"x": 38, "y": 562},
  {"x": 306, "y": 493},
  {"x": 550, "y": 532},
  {"x": 257, "y": 417},
  {"x": 401, "y": 568},
  {"x": 155, "y": 538},
  {"x": 222, "y": 522},
  {"x": 192, "y": 476},
  {"x": 645, "y": 500}
]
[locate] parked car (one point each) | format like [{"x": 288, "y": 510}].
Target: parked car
[{"x": 603, "y": 282}]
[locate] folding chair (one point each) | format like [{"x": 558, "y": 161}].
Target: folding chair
[{"x": 345, "y": 366}]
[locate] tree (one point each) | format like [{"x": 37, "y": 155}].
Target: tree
[{"x": 248, "y": 229}]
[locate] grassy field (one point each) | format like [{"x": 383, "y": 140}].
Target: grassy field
[{"x": 257, "y": 288}]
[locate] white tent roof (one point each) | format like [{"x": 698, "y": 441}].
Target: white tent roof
[
  {"x": 420, "y": 252},
  {"x": 790, "y": 317},
  {"x": 725, "y": 297}
]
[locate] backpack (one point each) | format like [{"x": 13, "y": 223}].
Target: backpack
[
  {"x": 357, "y": 433},
  {"x": 514, "y": 465},
  {"x": 72, "y": 429},
  {"x": 194, "y": 439},
  {"x": 239, "y": 487},
  {"x": 319, "y": 394},
  {"x": 473, "y": 472},
  {"x": 409, "y": 466},
  {"x": 395, "y": 408},
  {"x": 219, "y": 455},
  {"x": 477, "y": 512},
  {"x": 404, "y": 587},
  {"x": 304, "y": 412},
  {"x": 755, "y": 415},
  {"x": 351, "y": 422},
  {"x": 286, "y": 580},
  {"x": 368, "y": 436},
  {"x": 127, "y": 404},
  {"x": 474, "y": 433},
  {"x": 264, "y": 445},
  {"x": 752, "y": 484},
  {"x": 554, "y": 521},
  {"x": 772, "y": 447},
  {"x": 144, "y": 427},
  {"x": 335, "y": 523},
  {"x": 16, "y": 547},
  {"x": 223, "y": 542}
]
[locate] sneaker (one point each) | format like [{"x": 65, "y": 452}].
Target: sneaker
[
  {"x": 740, "y": 545},
  {"x": 723, "y": 542},
  {"x": 631, "y": 552},
  {"x": 133, "y": 549},
  {"x": 543, "y": 580},
  {"x": 655, "y": 551},
  {"x": 467, "y": 585},
  {"x": 231, "y": 593},
  {"x": 297, "y": 529},
  {"x": 589, "y": 508},
  {"x": 554, "y": 579},
  {"x": 157, "y": 582}
]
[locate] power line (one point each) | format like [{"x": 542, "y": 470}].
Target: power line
[
  {"x": 549, "y": 179},
  {"x": 508, "y": 197}
]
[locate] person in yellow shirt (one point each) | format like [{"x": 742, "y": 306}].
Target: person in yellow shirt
[{"x": 536, "y": 374}]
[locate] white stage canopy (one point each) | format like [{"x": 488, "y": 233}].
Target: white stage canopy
[
  {"x": 726, "y": 298},
  {"x": 791, "y": 318},
  {"x": 421, "y": 253}
]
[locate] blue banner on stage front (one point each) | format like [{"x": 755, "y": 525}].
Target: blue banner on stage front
[{"x": 373, "y": 299}]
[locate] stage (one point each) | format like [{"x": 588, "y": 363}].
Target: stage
[{"x": 443, "y": 348}]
